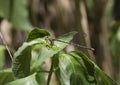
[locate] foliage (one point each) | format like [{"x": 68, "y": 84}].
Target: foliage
[
  {"x": 114, "y": 40},
  {"x": 72, "y": 68},
  {"x": 114, "y": 44},
  {"x": 6, "y": 76},
  {"x": 16, "y": 12},
  {"x": 2, "y": 57}
]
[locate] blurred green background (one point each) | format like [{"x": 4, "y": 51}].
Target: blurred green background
[{"x": 96, "y": 21}]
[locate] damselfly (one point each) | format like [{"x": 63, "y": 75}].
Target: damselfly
[{"x": 70, "y": 43}]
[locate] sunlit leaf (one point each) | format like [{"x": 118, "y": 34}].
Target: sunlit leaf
[
  {"x": 40, "y": 77},
  {"x": 76, "y": 69},
  {"x": 100, "y": 76},
  {"x": 47, "y": 52},
  {"x": 22, "y": 58},
  {"x": 30, "y": 80}
]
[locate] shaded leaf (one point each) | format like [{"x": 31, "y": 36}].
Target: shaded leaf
[
  {"x": 6, "y": 76},
  {"x": 22, "y": 59},
  {"x": 40, "y": 78},
  {"x": 30, "y": 80},
  {"x": 21, "y": 62},
  {"x": 2, "y": 56},
  {"x": 37, "y": 33}
]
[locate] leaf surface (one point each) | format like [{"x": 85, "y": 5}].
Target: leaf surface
[
  {"x": 6, "y": 76},
  {"x": 47, "y": 52},
  {"x": 76, "y": 69},
  {"x": 22, "y": 59},
  {"x": 2, "y": 56},
  {"x": 30, "y": 80},
  {"x": 37, "y": 33}
]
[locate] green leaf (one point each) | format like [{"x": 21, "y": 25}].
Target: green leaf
[
  {"x": 2, "y": 56},
  {"x": 6, "y": 76},
  {"x": 30, "y": 80},
  {"x": 37, "y": 33},
  {"x": 22, "y": 59},
  {"x": 19, "y": 16},
  {"x": 65, "y": 38},
  {"x": 114, "y": 41},
  {"x": 16, "y": 12},
  {"x": 102, "y": 78},
  {"x": 21, "y": 62},
  {"x": 47, "y": 52},
  {"x": 5, "y": 8},
  {"x": 76, "y": 69},
  {"x": 41, "y": 78}
]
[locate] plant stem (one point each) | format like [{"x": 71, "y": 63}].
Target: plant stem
[
  {"x": 50, "y": 74},
  {"x": 4, "y": 42}
]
